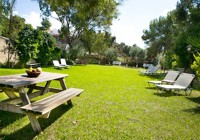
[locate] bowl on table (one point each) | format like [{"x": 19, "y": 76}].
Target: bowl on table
[{"x": 33, "y": 73}]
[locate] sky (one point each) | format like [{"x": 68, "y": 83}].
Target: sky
[{"x": 134, "y": 17}]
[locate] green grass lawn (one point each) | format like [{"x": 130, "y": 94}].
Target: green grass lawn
[{"x": 116, "y": 104}]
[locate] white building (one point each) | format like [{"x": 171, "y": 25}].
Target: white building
[{"x": 4, "y": 51}]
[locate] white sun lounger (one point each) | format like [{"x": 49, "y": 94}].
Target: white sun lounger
[
  {"x": 147, "y": 70},
  {"x": 169, "y": 78},
  {"x": 151, "y": 71},
  {"x": 63, "y": 62},
  {"x": 182, "y": 83},
  {"x": 57, "y": 64}
]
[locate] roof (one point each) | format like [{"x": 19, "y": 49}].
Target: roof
[{"x": 55, "y": 32}]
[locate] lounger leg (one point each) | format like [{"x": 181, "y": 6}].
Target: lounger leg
[
  {"x": 186, "y": 92},
  {"x": 177, "y": 92},
  {"x": 190, "y": 91},
  {"x": 159, "y": 89},
  {"x": 149, "y": 84}
]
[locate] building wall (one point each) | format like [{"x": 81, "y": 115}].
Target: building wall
[{"x": 3, "y": 51}]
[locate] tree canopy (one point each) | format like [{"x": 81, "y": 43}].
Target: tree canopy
[
  {"x": 80, "y": 15},
  {"x": 46, "y": 24},
  {"x": 27, "y": 45},
  {"x": 180, "y": 28}
]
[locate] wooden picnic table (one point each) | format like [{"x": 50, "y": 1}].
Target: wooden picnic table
[{"x": 11, "y": 85}]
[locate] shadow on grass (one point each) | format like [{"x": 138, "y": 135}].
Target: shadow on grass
[
  {"x": 152, "y": 88},
  {"x": 157, "y": 76},
  {"x": 167, "y": 94},
  {"x": 194, "y": 99},
  {"x": 193, "y": 110},
  {"x": 80, "y": 65},
  {"x": 164, "y": 94},
  {"x": 27, "y": 133},
  {"x": 8, "y": 118}
]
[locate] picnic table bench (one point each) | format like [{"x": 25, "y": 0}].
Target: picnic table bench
[
  {"x": 45, "y": 105},
  {"x": 42, "y": 108}
]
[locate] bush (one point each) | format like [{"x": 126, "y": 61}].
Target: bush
[{"x": 196, "y": 64}]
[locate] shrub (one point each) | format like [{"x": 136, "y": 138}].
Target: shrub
[{"x": 196, "y": 64}]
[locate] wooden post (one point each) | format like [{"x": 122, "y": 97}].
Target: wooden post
[
  {"x": 34, "y": 123},
  {"x": 24, "y": 96},
  {"x": 31, "y": 87},
  {"x": 62, "y": 83},
  {"x": 10, "y": 93},
  {"x": 25, "y": 100},
  {"x": 64, "y": 87},
  {"x": 46, "y": 88}
]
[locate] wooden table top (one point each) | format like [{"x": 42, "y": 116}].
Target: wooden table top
[{"x": 21, "y": 80}]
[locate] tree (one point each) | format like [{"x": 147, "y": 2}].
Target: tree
[
  {"x": 175, "y": 32},
  {"x": 46, "y": 44},
  {"x": 100, "y": 45},
  {"x": 76, "y": 51},
  {"x": 27, "y": 45},
  {"x": 88, "y": 38},
  {"x": 188, "y": 19},
  {"x": 58, "y": 53},
  {"x": 45, "y": 25},
  {"x": 137, "y": 54},
  {"x": 2, "y": 17},
  {"x": 180, "y": 50},
  {"x": 96, "y": 42},
  {"x": 17, "y": 25},
  {"x": 111, "y": 54},
  {"x": 124, "y": 51},
  {"x": 8, "y": 6},
  {"x": 160, "y": 34},
  {"x": 109, "y": 39},
  {"x": 80, "y": 15},
  {"x": 36, "y": 44}
]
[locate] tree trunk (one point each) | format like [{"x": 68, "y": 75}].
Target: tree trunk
[{"x": 9, "y": 29}]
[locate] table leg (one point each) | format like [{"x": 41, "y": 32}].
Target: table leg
[
  {"x": 30, "y": 90},
  {"x": 69, "y": 102},
  {"x": 25, "y": 100},
  {"x": 34, "y": 122},
  {"x": 10, "y": 94},
  {"x": 62, "y": 83},
  {"x": 64, "y": 87},
  {"x": 46, "y": 88},
  {"x": 24, "y": 96}
]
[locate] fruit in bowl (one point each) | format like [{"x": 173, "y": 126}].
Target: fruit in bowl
[
  {"x": 33, "y": 72},
  {"x": 39, "y": 69}
]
